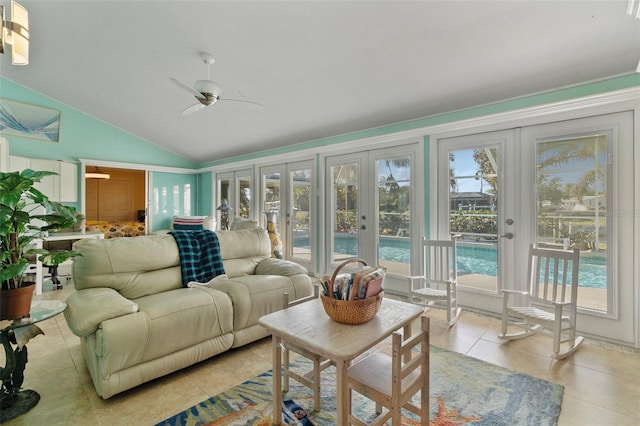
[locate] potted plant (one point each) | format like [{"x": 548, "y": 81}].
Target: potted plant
[{"x": 19, "y": 226}]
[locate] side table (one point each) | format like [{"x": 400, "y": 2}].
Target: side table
[{"x": 13, "y": 400}]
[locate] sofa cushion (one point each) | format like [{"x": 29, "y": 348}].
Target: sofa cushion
[
  {"x": 181, "y": 318},
  {"x": 254, "y": 296},
  {"x": 135, "y": 267},
  {"x": 243, "y": 250}
]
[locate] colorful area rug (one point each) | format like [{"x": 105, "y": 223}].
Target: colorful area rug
[{"x": 464, "y": 390}]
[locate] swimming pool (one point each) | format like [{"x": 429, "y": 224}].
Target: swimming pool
[{"x": 472, "y": 258}]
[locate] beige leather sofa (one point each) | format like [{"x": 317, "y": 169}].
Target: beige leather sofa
[{"x": 137, "y": 322}]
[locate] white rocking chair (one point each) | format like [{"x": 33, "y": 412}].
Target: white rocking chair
[
  {"x": 438, "y": 288},
  {"x": 551, "y": 300}
]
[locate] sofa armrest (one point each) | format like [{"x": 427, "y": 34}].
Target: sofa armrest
[
  {"x": 87, "y": 309},
  {"x": 272, "y": 266}
]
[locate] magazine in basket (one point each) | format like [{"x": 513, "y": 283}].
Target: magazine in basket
[{"x": 364, "y": 282}]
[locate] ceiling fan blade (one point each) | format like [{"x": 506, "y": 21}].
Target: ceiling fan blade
[
  {"x": 187, "y": 88},
  {"x": 251, "y": 104},
  {"x": 193, "y": 108}
]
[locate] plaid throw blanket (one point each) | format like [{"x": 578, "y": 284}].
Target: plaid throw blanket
[{"x": 200, "y": 258}]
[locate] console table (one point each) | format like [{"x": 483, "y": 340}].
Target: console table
[
  {"x": 59, "y": 236},
  {"x": 13, "y": 400}
]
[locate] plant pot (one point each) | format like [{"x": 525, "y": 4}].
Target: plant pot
[{"x": 16, "y": 303}]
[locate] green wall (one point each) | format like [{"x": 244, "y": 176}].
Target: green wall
[
  {"x": 83, "y": 136},
  {"x": 170, "y": 198},
  {"x": 205, "y": 194}
]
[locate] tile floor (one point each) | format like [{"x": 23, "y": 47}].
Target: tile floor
[{"x": 602, "y": 382}]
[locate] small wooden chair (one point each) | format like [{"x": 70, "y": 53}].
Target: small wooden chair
[
  {"x": 438, "y": 287},
  {"x": 310, "y": 379},
  {"x": 552, "y": 300},
  {"x": 392, "y": 381}
]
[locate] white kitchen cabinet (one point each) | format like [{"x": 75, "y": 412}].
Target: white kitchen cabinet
[
  {"x": 62, "y": 187},
  {"x": 4, "y": 155},
  {"x": 49, "y": 185},
  {"x": 68, "y": 182},
  {"x": 18, "y": 164}
]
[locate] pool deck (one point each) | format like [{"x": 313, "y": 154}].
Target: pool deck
[{"x": 589, "y": 298}]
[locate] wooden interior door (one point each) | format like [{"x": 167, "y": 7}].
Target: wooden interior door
[{"x": 115, "y": 200}]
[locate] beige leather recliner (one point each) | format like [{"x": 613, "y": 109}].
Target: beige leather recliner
[{"x": 137, "y": 322}]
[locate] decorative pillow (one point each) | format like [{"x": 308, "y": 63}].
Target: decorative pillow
[
  {"x": 240, "y": 224},
  {"x": 207, "y": 222},
  {"x": 188, "y": 220},
  {"x": 187, "y": 227}
]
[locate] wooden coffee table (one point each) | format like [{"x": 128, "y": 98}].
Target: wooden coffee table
[{"x": 307, "y": 325}]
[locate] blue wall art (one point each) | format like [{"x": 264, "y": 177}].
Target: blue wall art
[{"x": 29, "y": 121}]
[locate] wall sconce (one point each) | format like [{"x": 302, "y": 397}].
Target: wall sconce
[{"x": 15, "y": 33}]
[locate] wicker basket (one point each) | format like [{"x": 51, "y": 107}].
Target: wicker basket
[{"x": 351, "y": 311}]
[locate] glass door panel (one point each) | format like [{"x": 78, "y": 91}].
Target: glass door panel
[
  {"x": 300, "y": 214},
  {"x": 394, "y": 213},
  {"x": 571, "y": 207},
  {"x": 344, "y": 199},
  {"x": 473, "y": 214},
  {"x": 476, "y": 206},
  {"x": 243, "y": 197},
  {"x": 223, "y": 202}
]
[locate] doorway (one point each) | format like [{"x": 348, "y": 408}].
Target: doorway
[{"x": 114, "y": 195}]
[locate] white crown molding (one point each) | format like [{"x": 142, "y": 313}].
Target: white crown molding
[{"x": 615, "y": 101}]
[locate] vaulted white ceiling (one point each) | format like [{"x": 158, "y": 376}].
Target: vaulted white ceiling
[{"x": 321, "y": 68}]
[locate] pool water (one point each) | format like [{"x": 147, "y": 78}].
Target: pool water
[{"x": 471, "y": 258}]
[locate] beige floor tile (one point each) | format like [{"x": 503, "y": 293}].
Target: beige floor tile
[
  {"x": 602, "y": 384},
  {"x": 576, "y": 412},
  {"x": 600, "y": 389},
  {"x": 520, "y": 360}
]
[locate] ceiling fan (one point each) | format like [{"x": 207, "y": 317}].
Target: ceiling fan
[{"x": 207, "y": 92}]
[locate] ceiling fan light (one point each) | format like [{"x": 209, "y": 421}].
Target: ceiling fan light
[{"x": 207, "y": 86}]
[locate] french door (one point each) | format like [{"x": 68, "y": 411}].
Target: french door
[
  {"x": 476, "y": 206},
  {"x": 289, "y": 190},
  {"x": 561, "y": 185},
  {"x": 234, "y": 193},
  {"x": 370, "y": 198}
]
